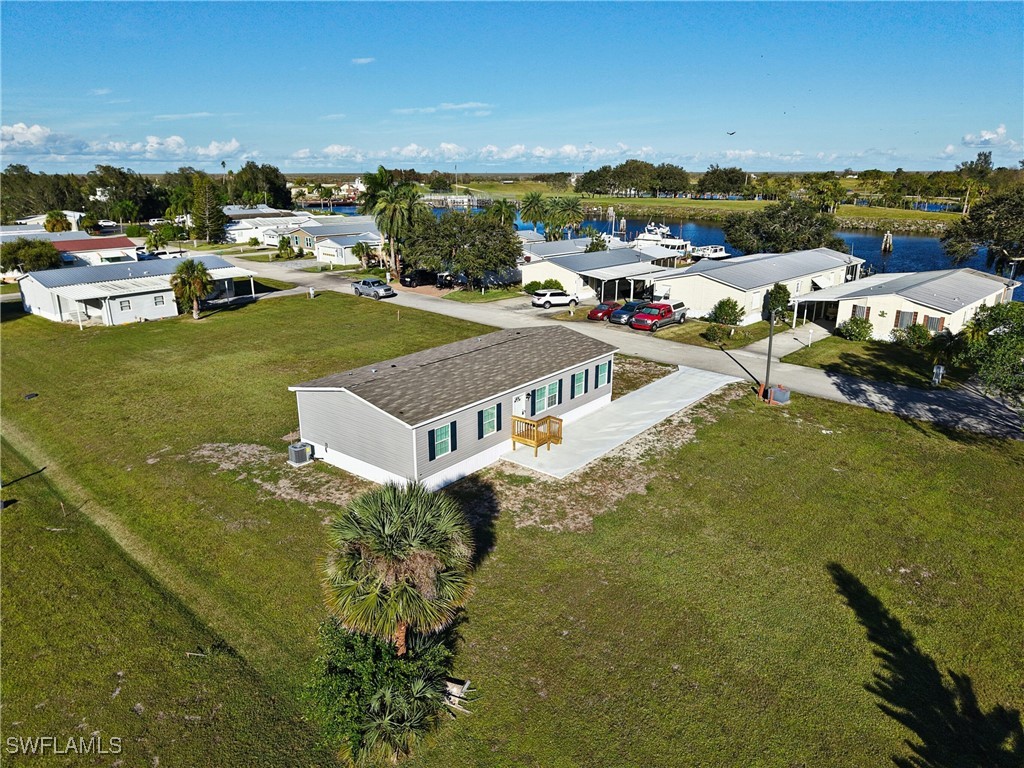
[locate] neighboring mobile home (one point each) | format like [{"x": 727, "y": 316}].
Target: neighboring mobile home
[
  {"x": 117, "y": 293},
  {"x": 438, "y": 415},
  {"x": 748, "y": 279},
  {"x": 940, "y": 300}
]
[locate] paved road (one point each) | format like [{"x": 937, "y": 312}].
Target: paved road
[{"x": 965, "y": 408}]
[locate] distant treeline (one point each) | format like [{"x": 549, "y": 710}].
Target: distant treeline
[{"x": 124, "y": 195}]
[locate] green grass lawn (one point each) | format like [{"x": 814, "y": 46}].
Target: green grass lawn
[
  {"x": 667, "y": 606},
  {"x": 899, "y": 214},
  {"x": 475, "y": 297},
  {"x": 876, "y": 360},
  {"x": 262, "y": 285},
  {"x": 690, "y": 333},
  {"x": 8, "y": 288},
  {"x": 89, "y": 636}
]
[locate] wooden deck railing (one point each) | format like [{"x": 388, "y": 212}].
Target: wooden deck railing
[{"x": 536, "y": 432}]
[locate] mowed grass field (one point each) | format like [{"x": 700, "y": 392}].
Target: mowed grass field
[{"x": 694, "y": 621}]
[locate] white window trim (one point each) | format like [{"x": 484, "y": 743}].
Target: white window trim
[
  {"x": 577, "y": 384},
  {"x": 603, "y": 373},
  {"x": 493, "y": 411},
  {"x": 549, "y": 389},
  {"x": 438, "y": 453}
]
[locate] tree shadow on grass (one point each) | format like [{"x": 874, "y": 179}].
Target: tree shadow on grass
[
  {"x": 966, "y": 415},
  {"x": 951, "y": 728},
  {"x": 11, "y": 310},
  {"x": 479, "y": 502}
]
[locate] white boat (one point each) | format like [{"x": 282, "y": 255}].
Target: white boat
[
  {"x": 660, "y": 234},
  {"x": 710, "y": 252}
]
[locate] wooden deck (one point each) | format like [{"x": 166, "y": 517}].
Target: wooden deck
[{"x": 536, "y": 432}]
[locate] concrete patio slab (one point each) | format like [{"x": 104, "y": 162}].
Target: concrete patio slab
[{"x": 594, "y": 435}]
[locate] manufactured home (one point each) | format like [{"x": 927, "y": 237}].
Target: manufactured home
[{"x": 438, "y": 415}]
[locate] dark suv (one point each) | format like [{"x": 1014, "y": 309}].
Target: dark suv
[{"x": 418, "y": 277}]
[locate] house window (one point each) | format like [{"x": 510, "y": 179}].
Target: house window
[
  {"x": 936, "y": 324},
  {"x": 905, "y": 319},
  {"x": 603, "y": 374},
  {"x": 579, "y": 384},
  {"x": 441, "y": 441},
  {"x": 488, "y": 421},
  {"x": 545, "y": 397},
  {"x": 125, "y": 304},
  {"x": 295, "y": 239},
  {"x": 158, "y": 301},
  {"x": 309, "y": 242},
  {"x": 862, "y": 312}
]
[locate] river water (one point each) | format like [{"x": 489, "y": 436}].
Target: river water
[{"x": 910, "y": 253}]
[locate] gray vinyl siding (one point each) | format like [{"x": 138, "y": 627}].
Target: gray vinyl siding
[
  {"x": 466, "y": 422},
  {"x": 346, "y": 424}
]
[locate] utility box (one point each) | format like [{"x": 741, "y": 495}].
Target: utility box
[
  {"x": 300, "y": 454},
  {"x": 778, "y": 395}
]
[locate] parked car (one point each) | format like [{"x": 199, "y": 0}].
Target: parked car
[
  {"x": 655, "y": 316},
  {"x": 373, "y": 287},
  {"x": 548, "y": 298},
  {"x": 624, "y": 314},
  {"x": 418, "y": 277},
  {"x": 603, "y": 310},
  {"x": 449, "y": 280},
  {"x": 158, "y": 222},
  {"x": 107, "y": 223}
]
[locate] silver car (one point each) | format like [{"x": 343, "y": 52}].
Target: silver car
[{"x": 373, "y": 287}]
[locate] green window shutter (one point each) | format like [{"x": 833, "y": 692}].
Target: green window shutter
[
  {"x": 559, "y": 391},
  {"x": 479, "y": 425},
  {"x": 430, "y": 445},
  {"x": 497, "y": 417},
  {"x": 586, "y": 381},
  {"x": 533, "y": 403},
  {"x": 453, "y": 437},
  {"x": 572, "y": 387}
]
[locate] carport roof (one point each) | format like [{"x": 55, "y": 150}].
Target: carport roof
[
  {"x": 763, "y": 269},
  {"x": 625, "y": 271},
  {"x": 133, "y": 270},
  {"x": 947, "y": 290}
]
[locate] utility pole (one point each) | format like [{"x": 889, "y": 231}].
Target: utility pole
[{"x": 768, "y": 369}]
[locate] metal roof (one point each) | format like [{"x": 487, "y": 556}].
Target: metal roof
[
  {"x": 428, "y": 384},
  {"x": 53, "y": 278},
  {"x": 324, "y": 230},
  {"x": 87, "y": 244},
  {"x": 761, "y": 269},
  {"x": 556, "y": 247},
  {"x": 529, "y": 236},
  {"x": 347, "y": 241},
  {"x": 18, "y": 231},
  {"x": 947, "y": 290},
  {"x": 633, "y": 270},
  {"x": 587, "y": 262}
]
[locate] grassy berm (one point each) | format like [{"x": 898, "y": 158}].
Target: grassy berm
[{"x": 741, "y": 586}]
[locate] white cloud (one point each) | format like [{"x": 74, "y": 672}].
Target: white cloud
[
  {"x": 949, "y": 151},
  {"x": 301, "y": 154},
  {"x": 39, "y": 142},
  {"x": 476, "y": 108},
  {"x": 99, "y": 91},
  {"x": 366, "y": 60},
  {"x": 183, "y": 116},
  {"x": 996, "y": 138},
  {"x": 335, "y": 116}
]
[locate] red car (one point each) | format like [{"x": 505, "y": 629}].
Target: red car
[{"x": 602, "y": 310}]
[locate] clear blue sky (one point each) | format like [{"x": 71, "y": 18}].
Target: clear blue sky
[{"x": 511, "y": 86}]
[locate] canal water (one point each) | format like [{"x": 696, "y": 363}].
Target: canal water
[{"x": 910, "y": 253}]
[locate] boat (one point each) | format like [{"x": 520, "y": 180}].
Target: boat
[
  {"x": 713, "y": 252},
  {"x": 660, "y": 234}
]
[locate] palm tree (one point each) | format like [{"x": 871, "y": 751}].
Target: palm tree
[
  {"x": 571, "y": 210},
  {"x": 396, "y": 210},
  {"x": 156, "y": 239},
  {"x": 397, "y": 719},
  {"x": 399, "y": 561},
  {"x": 56, "y": 221},
  {"x": 191, "y": 281},
  {"x": 534, "y": 208},
  {"x": 376, "y": 184},
  {"x": 503, "y": 210},
  {"x": 363, "y": 252},
  {"x": 125, "y": 209}
]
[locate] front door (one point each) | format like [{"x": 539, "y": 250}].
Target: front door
[{"x": 519, "y": 404}]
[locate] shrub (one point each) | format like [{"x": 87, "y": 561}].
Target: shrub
[
  {"x": 855, "y": 329},
  {"x": 135, "y": 230},
  {"x": 913, "y": 336},
  {"x": 254, "y": 241},
  {"x": 727, "y": 312},
  {"x": 552, "y": 284},
  {"x": 715, "y": 333},
  {"x": 358, "y": 682},
  {"x": 533, "y": 286}
]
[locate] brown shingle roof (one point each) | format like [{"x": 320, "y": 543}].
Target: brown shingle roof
[{"x": 424, "y": 385}]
